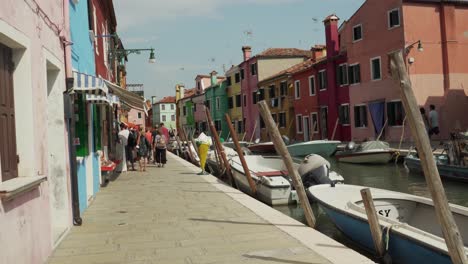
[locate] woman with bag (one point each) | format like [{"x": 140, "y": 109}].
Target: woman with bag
[
  {"x": 143, "y": 147},
  {"x": 160, "y": 148}
]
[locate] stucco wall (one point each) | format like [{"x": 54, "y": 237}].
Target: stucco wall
[
  {"x": 234, "y": 89},
  {"x": 269, "y": 66},
  {"x": 133, "y": 117},
  {"x": 25, "y": 222}
]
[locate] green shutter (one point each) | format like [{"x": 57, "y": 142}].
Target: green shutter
[
  {"x": 81, "y": 126},
  {"x": 97, "y": 127}
]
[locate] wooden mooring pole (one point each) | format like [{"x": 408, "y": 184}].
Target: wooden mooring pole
[
  {"x": 373, "y": 220},
  {"x": 444, "y": 215},
  {"x": 218, "y": 142},
  {"x": 283, "y": 152},
  {"x": 235, "y": 139},
  {"x": 184, "y": 137}
]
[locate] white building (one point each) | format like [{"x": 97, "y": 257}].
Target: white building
[{"x": 164, "y": 111}]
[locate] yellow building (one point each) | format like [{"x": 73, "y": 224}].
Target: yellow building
[{"x": 235, "y": 100}]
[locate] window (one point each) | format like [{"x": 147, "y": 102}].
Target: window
[
  {"x": 272, "y": 92},
  {"x": 254, "y": 98},
  {"x": 208, "y": 104},
  {"x": 172, "y": 117},
  {"x": 315, "y": 125},
  {"x": 242, "y": 74},
  {"x": 245, "y": 100},
  {"x": 237, "y": 77},
  {"x": 218, "y": 125},
  {"x": 274, "y": 116},
  {"x": 199, "y": 85},
  {"x": 360, "y": 116},
  {"x": 262, "y": 123},
  {"x": 164, "y": 118},
  {"x": 172, "y": 107},
  {"x": 163, "y": 107},
  {"x": 283, "y": 89},
  {"x": 376, "y": 73},
  {"x": 343, "y": 74},
  {"x": 357, "y": 32},
  {"x": 253, "y": 69},
  {"x": 239, "y": 127},
  {"x": 312, "y": 85},
  {"x": 344, "y": 114},
  {"x": 393, "y": 18},
  {"x": 354, "y": 74},
  {"x": 282, "y": 119},
  {"x": 395, "y": 113},
  {"x": 96, "y": 46},
  {"x": 139, "y": 114},
  {"x": 238, "y": 100},
  {"x": 218, "y": 103},
  {"x": 230, "y": 102},
  {"x": 299, "y": 124},
  {"x": 194, "y": 107},
  {"x": 297, "y": 89},
  {"x": 322, "y": 79},
  {"x": 229, "y": 81}
]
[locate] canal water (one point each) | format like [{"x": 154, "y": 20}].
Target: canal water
[{"x": 392, "y": 177}]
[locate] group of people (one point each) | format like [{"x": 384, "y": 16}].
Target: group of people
[
  {"x": 143, "y": 146},
  {"x": 431, "y": 122}
]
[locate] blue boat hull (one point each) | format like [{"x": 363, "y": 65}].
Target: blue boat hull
[
  {"x": 449, "y": 172},
  {"x": 401, "y": 249}
]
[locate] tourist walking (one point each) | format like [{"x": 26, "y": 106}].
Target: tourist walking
[
  {"x": 131, "y": 146},
  {"x": 123, "y": 142},
  {"x": 143, "y": 146},
  {"x": 160, "y": 143},
  {"x": 433, "y": 121},
  {"x": 149, "y": 138},
  {"x": 164, "y": 131}
]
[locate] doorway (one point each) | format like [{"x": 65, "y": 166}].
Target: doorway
[
  {"x": 324, "y": 121},
  {"x": 306, "y": 126}
]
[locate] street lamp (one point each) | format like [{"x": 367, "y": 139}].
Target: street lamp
[
  {"x": 126, "y": 52},
  {"x": 420, "y": 47}
]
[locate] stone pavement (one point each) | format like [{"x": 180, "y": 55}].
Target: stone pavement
[{"x": 171, "y": 215}]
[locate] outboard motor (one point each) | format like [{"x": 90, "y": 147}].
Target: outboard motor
[
  {"x": 350, "y": 146},
  {"x": 315, "y": 170}
]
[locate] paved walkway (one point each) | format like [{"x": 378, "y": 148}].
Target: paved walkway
[{"x": 171, "y": 215}]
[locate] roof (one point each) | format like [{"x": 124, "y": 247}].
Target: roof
[
  {"x": 295, "y": 68},
  {"x": 190, "y": 92},
  {"x": 285, "y": 52},
  {"x": 207, "y": 76},
  {"x": 167, "y": 100}
]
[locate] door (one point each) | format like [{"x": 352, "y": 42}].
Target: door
[
  {"x": 306, "y": 127},
  {"x": 324, "y": 122},
  {"x": 8, "y": 154}
]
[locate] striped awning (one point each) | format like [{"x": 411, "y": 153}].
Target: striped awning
[
  {"x": 127, "y": 98},
  {"x": 89, "y": 84},
  {"x": 110, "y": 99}
]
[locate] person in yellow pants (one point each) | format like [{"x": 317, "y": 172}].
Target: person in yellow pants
[
  {"x": 203, "y": 142},
  {"x": 203, "y": 153}
]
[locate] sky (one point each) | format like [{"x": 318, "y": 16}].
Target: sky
[{"x": 193, "y": 37}]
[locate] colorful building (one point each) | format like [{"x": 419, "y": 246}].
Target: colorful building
[
  {"x": 165, "y": 112},
  {"x": 35, "y": 207},
  {"x": 437, "y": 67},
  {"x": 234, "y": 98},
  {"x": 217, "y": 103},
  {"x": 257, "y": 68}
]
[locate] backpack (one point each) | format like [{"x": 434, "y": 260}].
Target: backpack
[
  {"x": 161, "y": 142},
  {"x": 131, "y": 139}
]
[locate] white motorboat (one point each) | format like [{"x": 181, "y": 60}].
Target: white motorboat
[
  {"x": 414, "y": 234},
  {"x": 324, "y": 148},
  {"x": 370, "y": 152}
]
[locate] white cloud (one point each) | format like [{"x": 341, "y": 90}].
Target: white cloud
[{"x": 137, "y": 13}]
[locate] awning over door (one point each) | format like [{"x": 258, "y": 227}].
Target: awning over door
[
  {"x": 126, "y": 97},
  {"x": 97, "y": 99},
  {"x": 89, "y": 84}
]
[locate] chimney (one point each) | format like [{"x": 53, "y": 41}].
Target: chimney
[
  {"x": 214, "y": 78},
  {"x": 247, "y": 51},
  {"x": 331, "y": 35},
  {"x": 318, "y": 51},
  {"x": 181, "y": 91}
]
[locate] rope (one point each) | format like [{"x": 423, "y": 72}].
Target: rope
[{"x": 387, "y": 234}]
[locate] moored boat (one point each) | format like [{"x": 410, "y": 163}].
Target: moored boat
[
  {"x": 453, "y": 172},
  {"x": 263, "y": 148},
  {"x": 324, "y": 148},
  {"x": 414, "y": 235},
  {"x": 370, "y": 152}
]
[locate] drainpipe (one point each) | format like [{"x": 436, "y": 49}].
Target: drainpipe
[
  {"x": 69, "y": 113},
  {"x": 444, "y": 38}
]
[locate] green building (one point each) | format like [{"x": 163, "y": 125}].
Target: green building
[{"x": 216, "y": 100}]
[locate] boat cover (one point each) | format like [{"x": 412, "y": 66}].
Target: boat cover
[{"x": 369, "y": 145}]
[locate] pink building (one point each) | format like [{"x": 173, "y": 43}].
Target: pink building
[
  {"x": 439, "y": 71},
  {"x": 35, "y": 206},
  {"x": 257, "y": 68}
]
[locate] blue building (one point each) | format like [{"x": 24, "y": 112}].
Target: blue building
[{"x": 83, "y": 62}]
